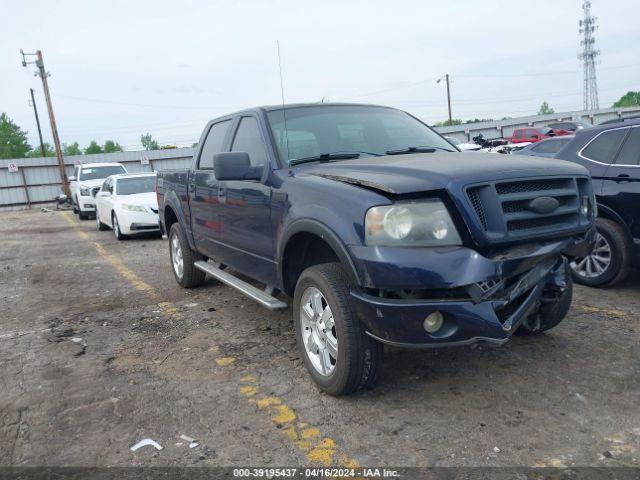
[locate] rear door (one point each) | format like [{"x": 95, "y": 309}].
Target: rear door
[
  {"x": 203, "y": 189},
  {"x": 245, "y": 207},
  {"x": 622, "y": 181}
]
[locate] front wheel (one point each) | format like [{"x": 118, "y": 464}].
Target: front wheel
[
  {"x": 609, "y": 262},
  {"x": 116, "y": 227},
  {"x": 340, "y": 357},
  {"x": 183, "y": 259},
  {"x": 550, "y": 314},
  {"x": 99, "y": 225}
]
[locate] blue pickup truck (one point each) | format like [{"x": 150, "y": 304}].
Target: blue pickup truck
[{"x": 378, "y": 229}]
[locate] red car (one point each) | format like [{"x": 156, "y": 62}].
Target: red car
[{"x": 531, "y": 135}]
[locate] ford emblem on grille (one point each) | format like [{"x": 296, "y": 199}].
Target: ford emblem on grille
[{"x": 543, "y": 205}]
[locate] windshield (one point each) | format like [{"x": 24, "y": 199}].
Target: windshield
[
  {"x": 131, "y": 186},
  {"x": 368, "y": 131},
  {"x": 98, "y": 173}
]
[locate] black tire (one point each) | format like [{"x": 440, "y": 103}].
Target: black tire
[
  {"x": 116, "y": 228},
  {"x": 99, "y": 225},
  {"x": 75, "y": 208},
  {"x": 191, "y": 276},
  {"x": 550, "y": 314},
  {"x": 620, "y": 263},
  {"x": 359, "y": 358}
]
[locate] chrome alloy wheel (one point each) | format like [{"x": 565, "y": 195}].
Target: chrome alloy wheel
[
  {"x": 176, "y": 256},
  {"x": 116, "y": 227},
  {"x": 318, "y": 331},
  {"x": 597, "y": 262}
]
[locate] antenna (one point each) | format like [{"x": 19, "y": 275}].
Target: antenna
[{"x": 284, "y": 110}]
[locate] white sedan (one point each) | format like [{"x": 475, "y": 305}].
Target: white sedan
[
  {"x": 128, "y": 204},
  {"x": 465, "y": 147}
]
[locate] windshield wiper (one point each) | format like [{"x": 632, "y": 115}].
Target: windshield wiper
[
  {"x": 402, "y": 151},
  {"x": 327, "y": 157}
]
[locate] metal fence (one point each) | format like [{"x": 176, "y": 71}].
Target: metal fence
[
  {"x": 504, "y": 128},
  {"x": 37, "y": 180}
]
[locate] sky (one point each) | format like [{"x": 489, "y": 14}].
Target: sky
[{"x": 123, "y": 68}]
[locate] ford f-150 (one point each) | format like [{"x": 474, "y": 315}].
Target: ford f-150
[{"x": 378, "y": 229}]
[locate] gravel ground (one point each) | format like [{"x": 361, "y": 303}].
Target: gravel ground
[{"x": 100, "y": 348}]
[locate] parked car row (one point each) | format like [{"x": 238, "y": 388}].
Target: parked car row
[{"x": 124, "y": 202}]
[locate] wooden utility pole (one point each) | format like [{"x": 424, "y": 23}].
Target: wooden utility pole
[
  {"x": 449, "y": 99},
  {"x": 43, "y": 74},
  {"x": 35, "y": 111},
  {"x": 446, "y": 78}
]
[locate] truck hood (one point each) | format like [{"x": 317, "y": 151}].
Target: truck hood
[{"x": 401, "y": 174}]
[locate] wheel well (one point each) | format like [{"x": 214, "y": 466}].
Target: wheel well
[
  {"x": 169, "y": 218},
  {"x": 605, "y": 211},
  {"x": 303, "y": 250}
]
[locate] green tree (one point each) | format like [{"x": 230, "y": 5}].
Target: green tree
[
  {"x": 37, "y": 152},
  {"x": 73, "y": 149},
  {"x": 148, "y": 142},
  {"x": 110, "y": 146},
  {"x": 93, "y": 148},
  {"x": 629, "y": 99},
  {"x": 448, "y": 123},
  {"x": 13, "y": 140},
  {"x": 545, "y": 109}
]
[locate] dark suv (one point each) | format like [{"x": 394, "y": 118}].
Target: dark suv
[{"x": 611, "y": 152}]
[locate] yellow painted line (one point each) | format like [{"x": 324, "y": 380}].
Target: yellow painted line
[
  {"x": 308, "y": 440},
  {"x": 167, "y": 308},
  {"x": 614, "y": 313}
]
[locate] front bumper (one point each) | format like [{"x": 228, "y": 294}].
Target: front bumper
[
  {"x": 86, "y": 204},
  {"x": 482, "y": 299},
  {"x": 132, "y": 223}
]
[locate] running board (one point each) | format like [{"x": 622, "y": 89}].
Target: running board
[{"x": 249, "y": 290}]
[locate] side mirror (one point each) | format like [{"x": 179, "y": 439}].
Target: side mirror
[
  {"x": 235, "y": 166},
  {"x": 72, "y": 178}
]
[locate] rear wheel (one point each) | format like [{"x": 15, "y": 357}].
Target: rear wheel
[
  {"x": 183, "y": 259},
  {"x": 340, "y": 357},
  {"x": 609, "y": 261}
]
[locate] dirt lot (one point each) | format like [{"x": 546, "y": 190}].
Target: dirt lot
[{"x": 100, "y": 348}]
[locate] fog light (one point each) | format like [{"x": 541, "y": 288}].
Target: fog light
[{"x": 433, "y": 322}]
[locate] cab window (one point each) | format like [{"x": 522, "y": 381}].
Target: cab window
[
  {"x": 249, "y": 140},
  {"x": 213, "y": 144}
]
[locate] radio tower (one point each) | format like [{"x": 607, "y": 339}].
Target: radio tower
[{"x": 588, "y": 56}]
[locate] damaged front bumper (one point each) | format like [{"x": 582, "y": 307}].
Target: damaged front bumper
[{"x": 482, "y": 299}]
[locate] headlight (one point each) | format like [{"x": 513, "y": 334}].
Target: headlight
[
  {"x": 133, "y": 208},
  {"x": 419, "y": 224},
  {"x": 85, "y": 191}
]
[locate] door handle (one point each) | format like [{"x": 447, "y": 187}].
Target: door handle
[{"x": 623, "y": 178}]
